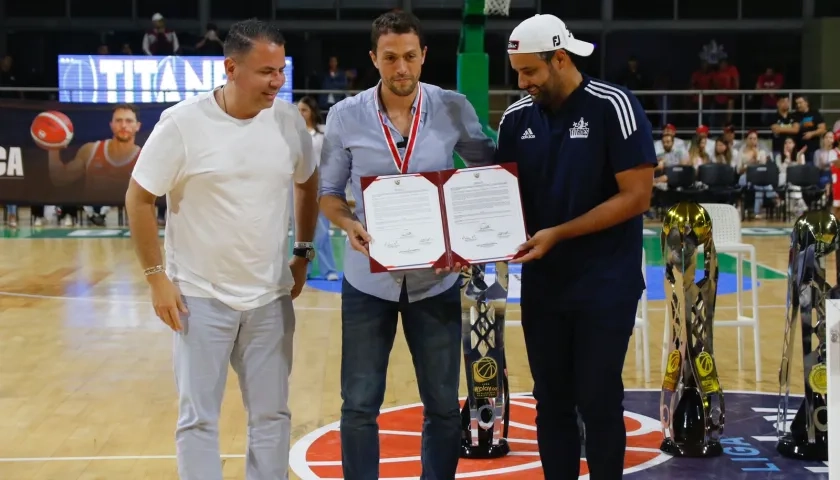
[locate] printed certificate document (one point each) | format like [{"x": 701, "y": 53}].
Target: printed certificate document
[{"x": 439, "y": 219}]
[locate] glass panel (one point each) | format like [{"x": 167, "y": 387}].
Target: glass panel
[
  {"x": 370, "y": 4},
  {"x": 45, "y": 8},
  {"x": 289, "y": 5},
  {"x": 87, "y": 8},
  {"x": 708, "y": 9},
  {"x": 240, "y": 10},
  {"x": 590, "y": 9},
  {"x": 168, "y": 8},
  {"x": 822, "y": 8},
  {"x": 648, "y": 9},
  {"x": 761, "y": 9}
]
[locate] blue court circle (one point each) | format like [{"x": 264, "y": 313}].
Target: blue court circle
[{"x": 655, "y": 282}]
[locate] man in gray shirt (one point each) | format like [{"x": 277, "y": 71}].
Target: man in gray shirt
[{"x": 371, "y": 134}]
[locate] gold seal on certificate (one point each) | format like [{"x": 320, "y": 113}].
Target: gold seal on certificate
[{"x": 465, "y": 216}]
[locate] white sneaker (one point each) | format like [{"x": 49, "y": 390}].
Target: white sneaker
[
  {"x": 68, "y": 221},
  {"x": 39, "y": 222},
  {"x": 332, "y": 277},
  {"x": 12, "y": 221}
]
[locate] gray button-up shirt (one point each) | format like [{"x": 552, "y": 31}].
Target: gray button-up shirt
[{"x": 355, "y": 147}]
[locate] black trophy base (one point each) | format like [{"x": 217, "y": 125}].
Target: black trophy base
[
  {"x": 484, "y": 452},
  {"x": 802, "y": 450},
  {"x": 698, "y": 450}
]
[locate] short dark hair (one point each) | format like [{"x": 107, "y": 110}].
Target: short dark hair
[
  {"x": 398, "y": 22},
  {"x": 242, "y": 35},
  {"x": 125, "y": 106},
  {"x": 548, "y": 55}
]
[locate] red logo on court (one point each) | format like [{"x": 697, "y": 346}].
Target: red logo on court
[{"x": 318, "y": 454}]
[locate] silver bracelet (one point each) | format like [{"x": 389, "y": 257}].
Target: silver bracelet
[{"x": 153, "y": 270}]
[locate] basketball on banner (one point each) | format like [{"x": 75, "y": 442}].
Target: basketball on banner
[{"x": 52, "y": 129}]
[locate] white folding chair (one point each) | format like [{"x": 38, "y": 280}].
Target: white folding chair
[
  {"x": 726, "y": 228},
  {"x": 642, "y": 346}
]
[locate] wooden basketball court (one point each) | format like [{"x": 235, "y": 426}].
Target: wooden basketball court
[{"x": 86, "y": 384}]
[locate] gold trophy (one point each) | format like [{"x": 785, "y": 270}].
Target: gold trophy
[
  {"x": 691, "y": 403},
  {"x": 485, "y": 417},
  {"x": 814, "y": 237}
]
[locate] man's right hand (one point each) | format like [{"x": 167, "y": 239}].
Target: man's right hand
[
  {"x": 359, "y": 238},
  {"x": 166, "y": 299}
]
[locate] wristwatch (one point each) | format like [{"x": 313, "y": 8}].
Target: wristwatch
[{"x": 304, "y": 250}]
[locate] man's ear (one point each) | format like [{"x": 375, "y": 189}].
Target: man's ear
[{"x": 230, "y": 67}]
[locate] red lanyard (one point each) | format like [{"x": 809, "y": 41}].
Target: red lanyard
[{"x": 402, "y": 163}]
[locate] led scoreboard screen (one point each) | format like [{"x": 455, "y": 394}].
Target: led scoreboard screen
[{"x": 143, "y": 79}]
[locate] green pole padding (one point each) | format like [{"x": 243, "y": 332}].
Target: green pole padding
[{"x": 473, "y": 77}]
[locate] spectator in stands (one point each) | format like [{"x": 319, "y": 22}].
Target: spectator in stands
[
  {"x": 697, "y": 154},
  {"x": 824, "y": 158},
  {"x": 631, "y": 77},
  {"x": 8, "y": 78},
  {"x": 732, "y": 143},
  {"x": 671, "y": 155},
  {"x": 723, "y": 152},
  {"x": 126, "y": 49},
  {"x": 160, "y": 40},
  {"x": 725, "y": 78},
  {"x": 311, "y": 114},
  {"x": 835, "y": 175},
  {"x": 703, "y": 132},
  {"x": 210, "y": 44},
  {"x": 786, "y": 125},
  {"x": 678, "y": 143},
  {"x": 36, "y": 211},
  {"x": 786, "y": 157},
  {"x": 752, "y": 154},
  {"x": 811, "y": 127},
  {"x": 334, "y": 79},
  {"x": 702, "y": 79},
  {"x": 769, "y": 80},
  {"x": 103, "y": 50},
  {"x": 729, "y": 137}
]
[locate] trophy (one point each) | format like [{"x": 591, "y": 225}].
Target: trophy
[
  {"x": 485, "y": 416},
  {"x": 691, "y": 402},
  {"x": 814, "y": 237}
]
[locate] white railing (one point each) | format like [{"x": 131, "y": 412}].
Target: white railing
[{"x": 673, "y": 106}]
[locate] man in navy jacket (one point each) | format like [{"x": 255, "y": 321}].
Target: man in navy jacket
[{"x": 585, "y": 154}]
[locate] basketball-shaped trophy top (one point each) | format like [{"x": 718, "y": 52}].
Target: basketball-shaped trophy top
[
  {"x": 690, "y": 219},
  {"x": 818, "y": 228}
]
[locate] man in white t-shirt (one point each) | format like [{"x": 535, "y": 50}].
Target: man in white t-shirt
[{"x": 226, "y": 161}]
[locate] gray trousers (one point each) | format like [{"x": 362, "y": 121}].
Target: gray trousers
[{"x": 258, "y": 345}]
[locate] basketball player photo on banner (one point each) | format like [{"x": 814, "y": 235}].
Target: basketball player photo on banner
[{"x": 70, "y": 153}]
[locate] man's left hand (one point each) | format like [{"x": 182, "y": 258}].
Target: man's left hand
[
  {"x": 298, "y": 266},
  {"x": 538, "y": 245}
]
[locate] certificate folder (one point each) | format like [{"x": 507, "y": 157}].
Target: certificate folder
[{"x": 439, "y": 219}]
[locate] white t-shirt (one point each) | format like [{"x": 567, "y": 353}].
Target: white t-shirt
[
  {"x": 228, "y": 184},
  {"x": 317, "y": 143}
]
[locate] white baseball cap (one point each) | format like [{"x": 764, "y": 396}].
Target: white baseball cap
[{"x": 545, "y": 33}]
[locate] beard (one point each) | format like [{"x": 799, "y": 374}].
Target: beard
[
  {"x": 544, "y": 95},
  {"x": 403, "y": 89}
]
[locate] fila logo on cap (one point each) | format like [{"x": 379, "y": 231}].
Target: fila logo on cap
[{"x": 556, "y": 40}]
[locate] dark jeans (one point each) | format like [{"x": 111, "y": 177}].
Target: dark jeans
[
  {"x": 576, "y": 357},
  {"x": 432, "y": 329}
]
